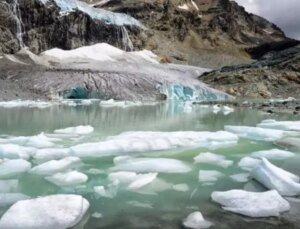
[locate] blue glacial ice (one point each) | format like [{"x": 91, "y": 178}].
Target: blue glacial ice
[{"x": 108, "y": 17}]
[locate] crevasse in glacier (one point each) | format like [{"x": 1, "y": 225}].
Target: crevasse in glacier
[{"x": 108, "y": 17}]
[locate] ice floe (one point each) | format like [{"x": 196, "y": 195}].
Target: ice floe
[
  {"x": 12, "y": 151},
  {"x": 213, "y": 159},
  {"x": 71, "y": 178},
  {"x": 43, "y": 155},
  {"x": 55, "y": 211},
  {"x": 252, "y": 204},
  {"x": 56, "y": 166},
  {"x": 37, "y": 141},
  {"x": 257, "y": 133},
  {"x": 25, "y": 103},
  {"x": 248, "y": 163},
  {"x": 80, "y": 130},
  {"x": 289, "y": 142},
  {"x": 108, "y": 192},
  {"x": 132, "y": 180},
  {"x": 209, "y": 176},
  {"x": 274, "y": 154},
  {"x": 140, "y": 141},
  {"x": 151, "y": 165},
  {"x": 276, "y": 178},
  {"x": 280, "y": 125},
  {"x": 11, "y": 168},
  {"x": 196, "y": 220},
  {"x": 240, "y": 177},
  {"x": 7, "y": 199}
]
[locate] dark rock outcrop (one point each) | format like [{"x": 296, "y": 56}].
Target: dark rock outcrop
[{"x": 276, "y": 74}]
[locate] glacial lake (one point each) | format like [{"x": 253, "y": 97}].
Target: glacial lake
[{"x": 168, "y": 198}]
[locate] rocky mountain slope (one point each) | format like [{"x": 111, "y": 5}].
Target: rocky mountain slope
[
  {"x": 275, "y": 74},
  {"x": 206, "y": 33}
]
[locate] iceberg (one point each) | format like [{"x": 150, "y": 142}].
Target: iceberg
[
  {"x": 43, "y": 155},
  {"x": 67, "y": 179},
  {"x": 209, "y": 176},
  {"x": 151, "y": 165},
  {"x": 78, "y": 130},
  {"x": 280, "y": 125},
  {"x": 56, "y": 166},
  {"x": 12, "y": 151},
  {"x": 273, "y": 177},
  {"x": 252, "y": 204},
  {"x": 240, "y": 177},
  {"x": 213, "y": 159},
  {"x": 109, "y": 192},
  {"x": 196, "y": 220},
  {"x": 8, "y": 199},
  {"x": 132, "y": 180},
  {"x": 274, "y": 154},
  {"x": 141, "y": 141},
  {"x": 25, "y": 103},
  {"x": 55, "y": 211},
  {"x": 289, "y": 142},
  {"x": 37, "y": 141},
  {"x": 248, "y": 163},
  {"x": 257, "y": 133},
  {"x": 12, "y": 168}
]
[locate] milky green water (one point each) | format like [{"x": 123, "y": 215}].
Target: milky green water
[{"x": 166, "y": 208}]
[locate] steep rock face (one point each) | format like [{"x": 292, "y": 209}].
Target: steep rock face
[
  {"x": 276, "y": 74},
  {"x": 195, "y": 32},
  {"x": 44, "y": 26},
  {"x": 208, "y": 33}
]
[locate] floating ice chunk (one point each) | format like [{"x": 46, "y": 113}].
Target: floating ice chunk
[
  {"x": 48, "y": 154},
  {"x": 195, "y": 220},
  {"x": 276, "y": 178},
  {"x": 227, "y": 110},
  {"x": 67, "y": 179},
  {"x": 144, "y": 165},
  {"x": 151, "y": 141},
  {"x": 289, "y": 142},
  {"x": 55, "y": 211},
  {"x": 248, "y": 163},
  {"x": 12, "y": 151},
  {"x": 213, "y": 159},
  {"x": 280, "y": 125},
  {"x": 11, "y": 168},
  {"x": 7, "y": 186},
  {"x": 158, "y": 185},
  {"x": 131, "y": 179},
  {"x": 25, "y": 103},
  {"x": 274, "y": 154},
  {"x": 257, "y": 133},
  {"x": 241, "y": 177},
  {"x": 56, "y": 166},
  {"x": 40, "y": 141},
  {"x": 252, "y": 204},
  {"x": 181, "y": 187},
  {"x": 216, "y": 108},
  {"x": 109, "y": 192},
  {"x": 80, "y": 130},
  {"x": 209, "y": 175},
  {"x": 7, "y": 199}
]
